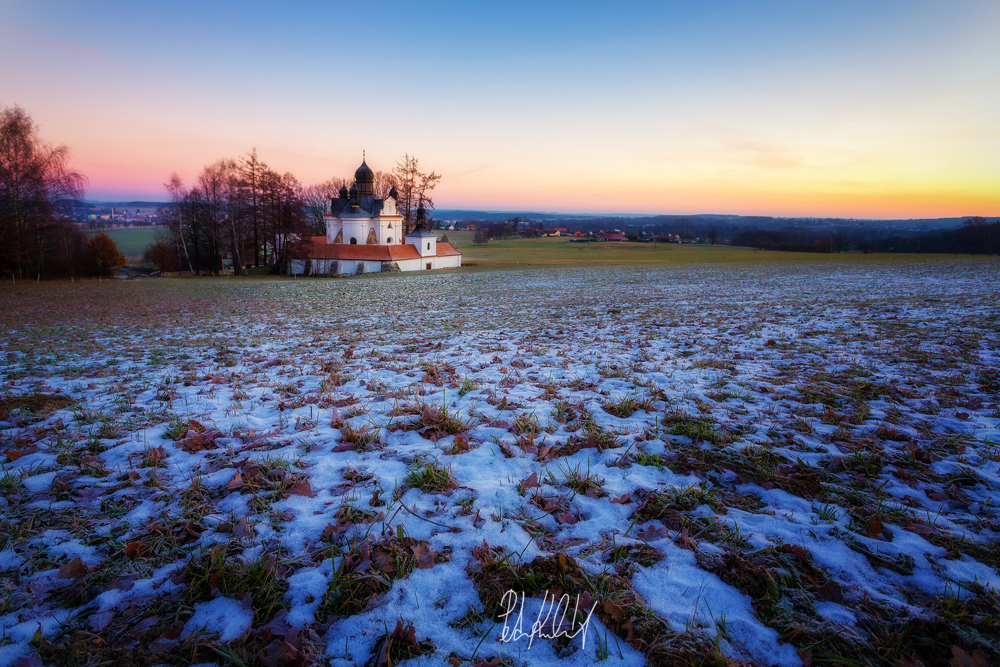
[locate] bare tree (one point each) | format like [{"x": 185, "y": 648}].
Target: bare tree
[
  {"x": 175, "y": 218},
  {"x": 213, "y": 185},
  {"x": 36, "y": 186},
  {"x": 414, "y": 189},
  {"x": 316, "y": 201},
  {"x": 252, "y": 169},
  {"x": 384, "y": 182}
]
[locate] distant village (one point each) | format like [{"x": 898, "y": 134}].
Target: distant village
[
  {"x": 961, "y": 235},
  {"x": 98, "y": 217}
]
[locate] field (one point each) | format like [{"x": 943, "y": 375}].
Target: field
[
  {"x": 786, "y": 463},
  {"x": 560, "y": 251},
  {"x": 131, "y": 242}
]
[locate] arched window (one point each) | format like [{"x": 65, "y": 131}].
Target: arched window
[
  {"x": 389, "y": 240},
  {"x": 354, "y": 241},
  {"x": 428, "y": 245}
]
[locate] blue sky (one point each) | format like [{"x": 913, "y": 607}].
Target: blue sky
[{"x": 868, "y": 109}]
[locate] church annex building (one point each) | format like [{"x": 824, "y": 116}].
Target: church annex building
[{"x": 366, "y": 235}]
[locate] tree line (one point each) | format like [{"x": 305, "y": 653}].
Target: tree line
[
  {"x": 976, "y": 236},
  {"x": 38, "y": 238}
]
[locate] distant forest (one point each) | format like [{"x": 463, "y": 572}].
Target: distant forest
[{"x": 975, "y": 235}]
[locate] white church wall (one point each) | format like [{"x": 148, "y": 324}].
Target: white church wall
[{"x": 409, "y": 265}]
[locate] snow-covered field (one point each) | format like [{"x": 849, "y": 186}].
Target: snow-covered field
[{"x": 776, "y": 465}]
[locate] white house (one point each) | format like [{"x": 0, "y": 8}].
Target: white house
[{"x": 365, "y": 234}]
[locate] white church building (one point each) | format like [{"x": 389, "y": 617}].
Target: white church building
[{"x": 365, "y": 234}]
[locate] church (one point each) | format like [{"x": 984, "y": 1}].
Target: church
[{"x": 365, "y": 234}]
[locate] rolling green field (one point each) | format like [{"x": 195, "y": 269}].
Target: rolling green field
[
  {"x": 560, "y": 251},
  {"x": 131, "y": 242}
]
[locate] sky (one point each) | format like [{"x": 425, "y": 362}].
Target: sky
[{"x": 854, "y": 108}]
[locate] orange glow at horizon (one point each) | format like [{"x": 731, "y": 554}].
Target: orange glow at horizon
[{"x": 856, "y": 110}]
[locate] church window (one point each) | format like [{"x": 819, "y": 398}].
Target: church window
[
  {"x": 389, "y": 240},
  {"x": 354, "y": 241},
  {"x": 428, "y": 246}
]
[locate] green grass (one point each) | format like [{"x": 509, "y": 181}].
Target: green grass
[
  {"x": 130, "y": 242},
  {"x": 561, "y": 251}
]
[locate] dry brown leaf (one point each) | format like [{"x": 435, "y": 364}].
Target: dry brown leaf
[
  {"x": 652, "y": 533},
  {"x": 132, "y": 549},
  {"x": 961, "y": 658},
  {"x": 75, "y": 569},
  {"x": 874, "y": 528},
  {"x": 236, "y": 482},
  {"x": 613, "y": 610},
  {"x": 303, "y": 488},
  {"x": 15, "y": 454},
  {"x": 566, "y": 518},
  {"x": 425, "y": 557},
  {"x": 795, "y": 550}
]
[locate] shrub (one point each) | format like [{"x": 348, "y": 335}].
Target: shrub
[{"x": 102, "y": 256}]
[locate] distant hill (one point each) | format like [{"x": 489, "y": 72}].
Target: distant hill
[
  {"x": 759, "y": 221},
  {"x": 126, "y": 204},
  {"x": 636, "y": 220}
]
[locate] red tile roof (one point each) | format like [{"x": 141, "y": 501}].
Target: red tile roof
[{"x": 320, "y": 249}]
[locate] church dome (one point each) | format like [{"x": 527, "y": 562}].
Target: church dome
[
  {"x": 364, "y": 174},
  {"x": 343, "y": 192},
  {"x": 393, "y": 193}
]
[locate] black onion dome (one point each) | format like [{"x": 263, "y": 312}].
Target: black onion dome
[
  {"x": 364, "y": 174},
  {"x": 343, "y": 192},
  {"x": 354, "y": 192},
  {"x": 393, "y": 193},
  {"x": 421, "y": 214}
]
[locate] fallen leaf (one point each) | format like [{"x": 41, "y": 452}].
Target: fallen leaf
[
  {"x": 196, "y": 442},
  {"x": 425, "y": 557},
  {"x": 831, "y": 592},
  {"x": 961, "y": 658},
  {"x": 15, "y": 454},
  {"x": 242, "y": 529},
  {"x": 236, "y": 482},
  {"x": 531, "y": 482},
  {"x": 652, "y": 533},
  {"x": 566, "y": 518},
  {"x": 613, "y": 610},
  {"x": 622, "y": 500},
  {"x": 795, "y": 550},
  {"x": 874, "y": 529},
  {"x": 303, "y": 488},
  {"x": 132, "y": 549},
  {"x": 75, "y": 569},
  {"x": 102, "y": 619}
]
